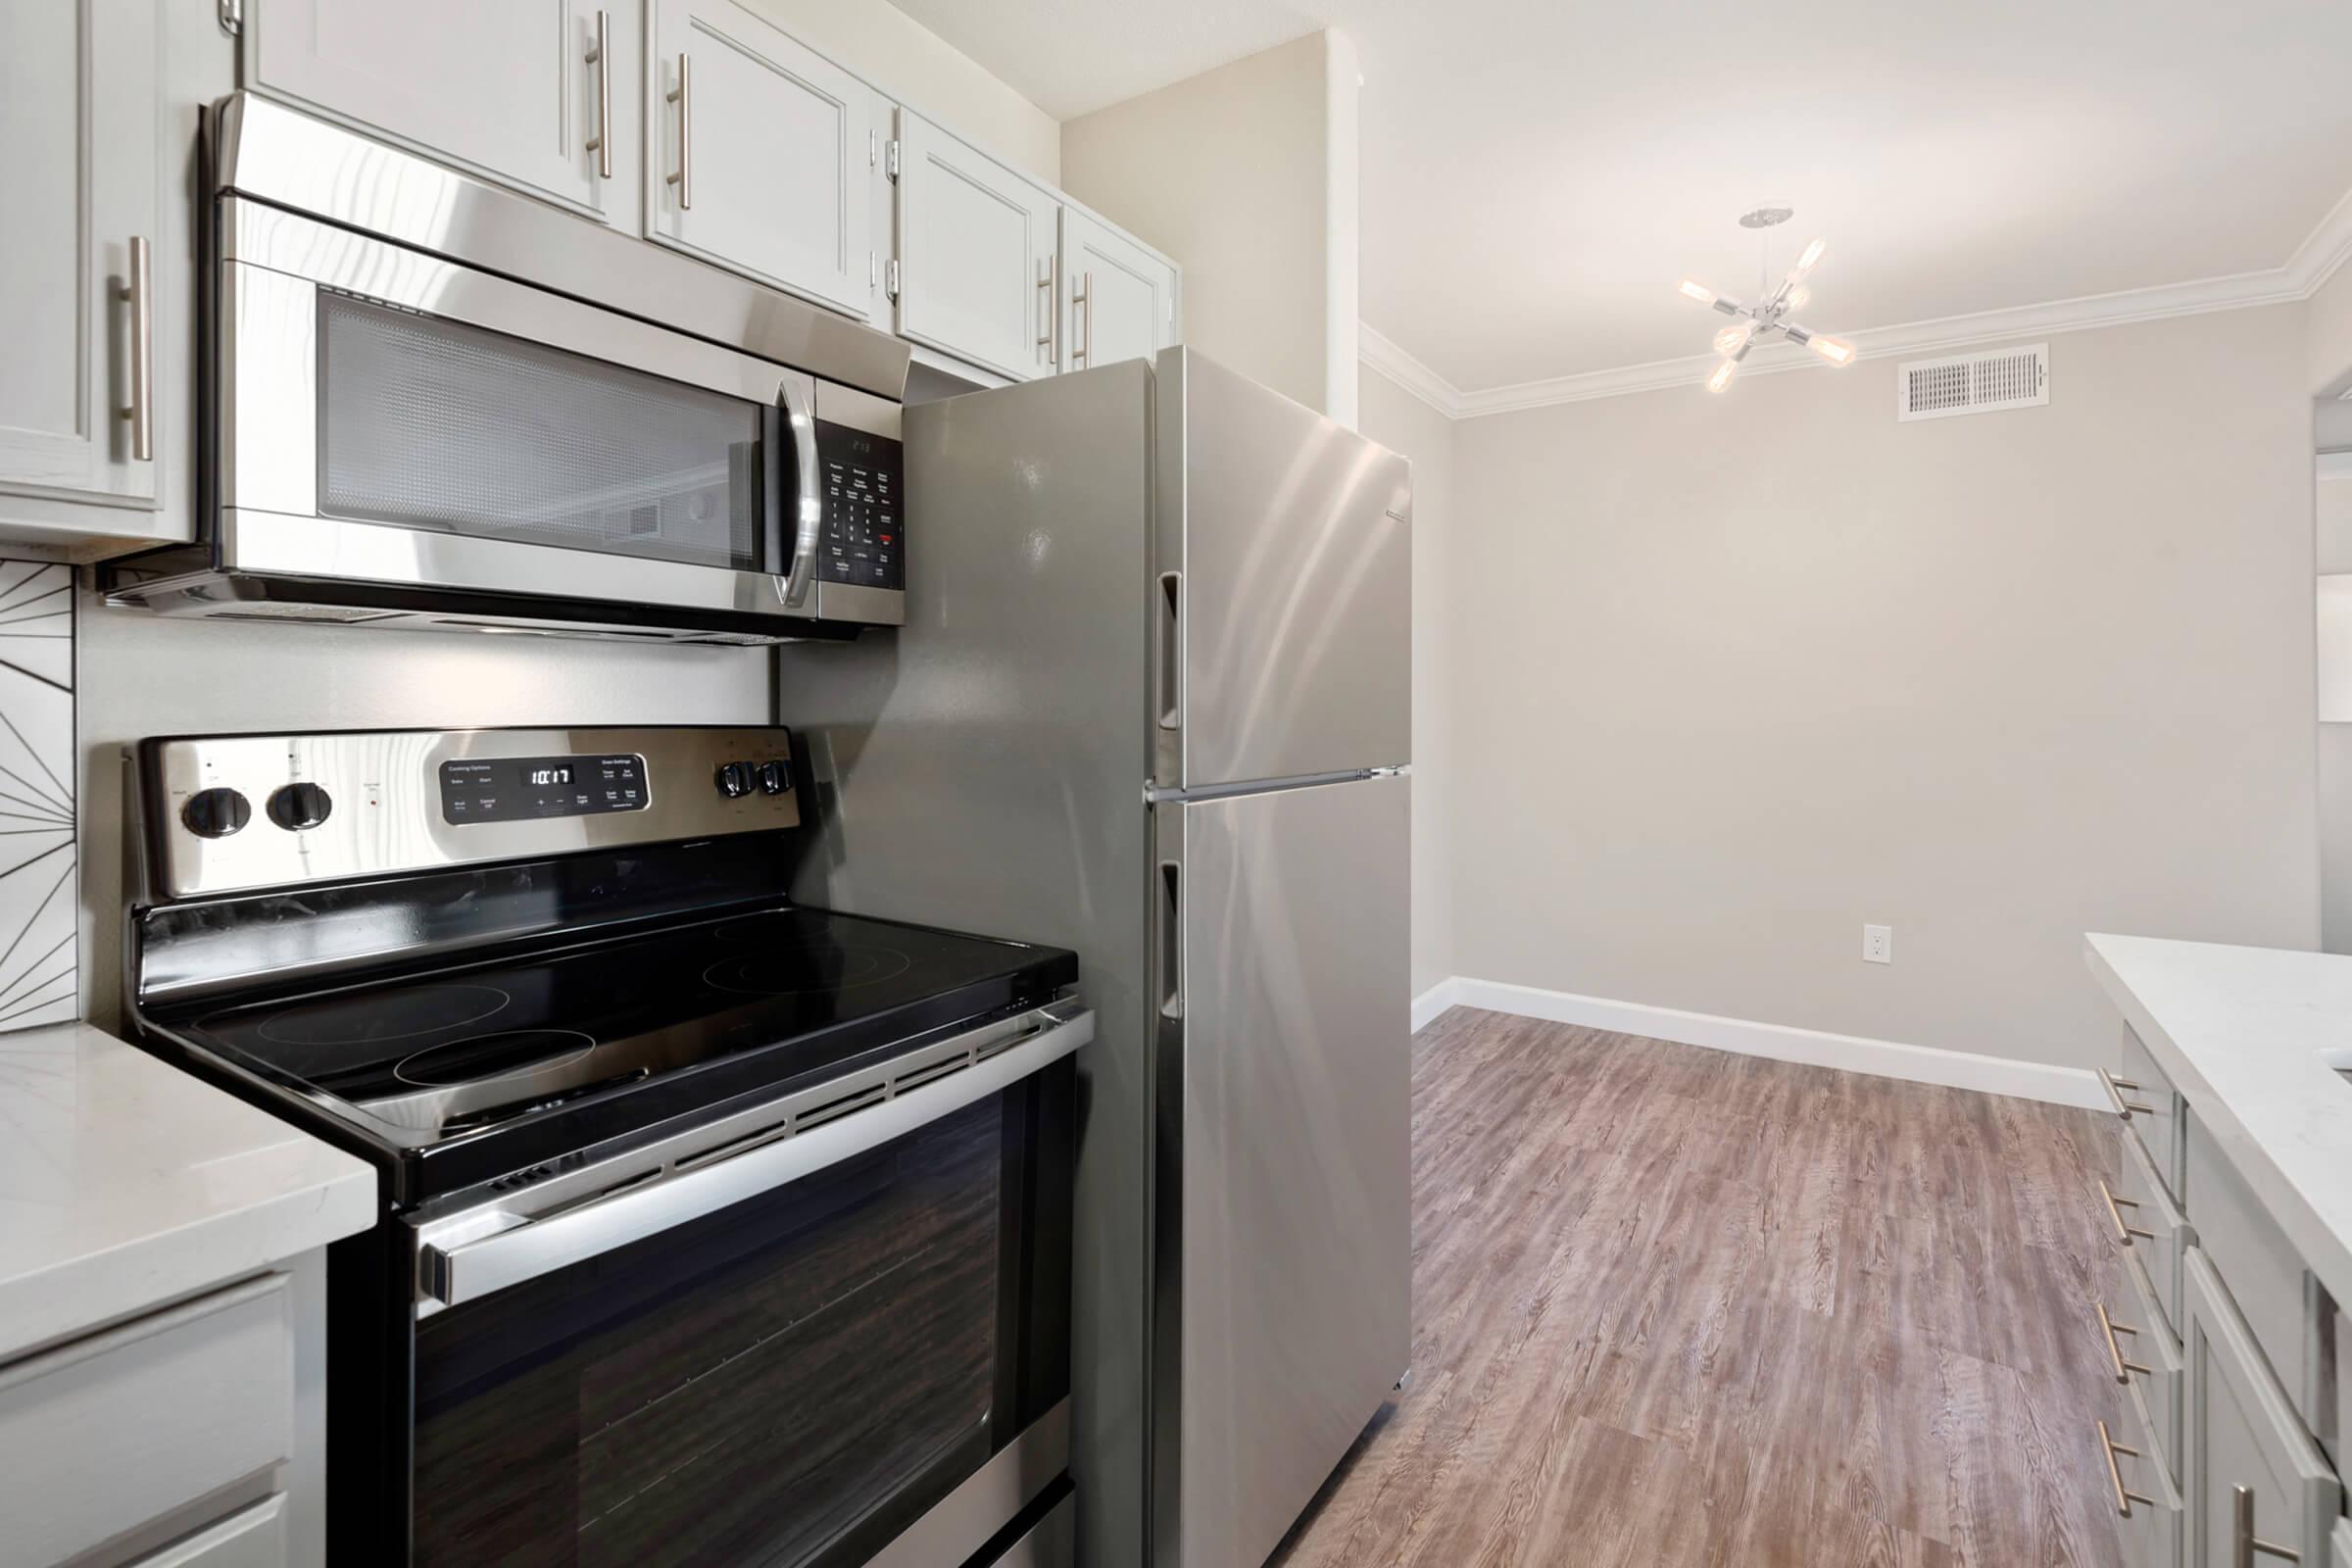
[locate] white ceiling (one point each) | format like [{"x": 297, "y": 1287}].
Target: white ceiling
[{"x": 1537, "y": 175}]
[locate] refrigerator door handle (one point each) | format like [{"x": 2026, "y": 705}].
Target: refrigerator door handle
[
  {"x": 1171, "y": 940},
  {"x": 1168, "y": 650}
]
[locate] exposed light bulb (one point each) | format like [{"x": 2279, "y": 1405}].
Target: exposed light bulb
[
  {"x": 1832, "y": 350},
  {"x": 1697, "y": 291},
  {"x": 1723, "y": 375},
  {"x": 1731, "y": 339},
  {"x": 1804, "y": 263},
  {"x": 1799, "y": 297}
]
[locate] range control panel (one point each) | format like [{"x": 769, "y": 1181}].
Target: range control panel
[
  {"x": 225, "y": 814},
  {"x": 864, "y": 477},
  {"x": 508, "y": 789}
]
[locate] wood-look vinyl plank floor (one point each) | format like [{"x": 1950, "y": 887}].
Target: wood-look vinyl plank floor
[{"x": 1674, "y": 1307}]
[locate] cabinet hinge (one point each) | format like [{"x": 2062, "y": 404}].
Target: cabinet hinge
[
  {"x": 889, "y": 278},
  {"x": 891, "y": 154},
  {"x": 233, "y": 17}
]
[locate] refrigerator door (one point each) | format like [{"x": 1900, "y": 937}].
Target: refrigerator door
[
  {"x": 1282, "y": 570},
  {"x": 1283, "y": 1235}
]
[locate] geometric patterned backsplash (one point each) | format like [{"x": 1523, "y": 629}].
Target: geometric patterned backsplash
[{"x": 38, "y": 908}]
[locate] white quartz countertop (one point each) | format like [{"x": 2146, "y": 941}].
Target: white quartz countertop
[
  {"x": 125, "y": 1183},
  {"x": 2252, "y": 1036}
]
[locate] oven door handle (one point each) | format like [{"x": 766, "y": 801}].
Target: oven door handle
[
  {"x": 461, "y": 1270},
  {"x": 809, "y": 501}
]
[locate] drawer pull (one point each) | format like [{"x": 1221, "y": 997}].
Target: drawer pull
[
  {"x": 2114, "y": 1212},
  {"x": 2115, "y": 1088},
  {"x": 2243, "y": 1542},
  {"x": 2124, "y": 1498},
  {"x": 2114, "y": 1353}
]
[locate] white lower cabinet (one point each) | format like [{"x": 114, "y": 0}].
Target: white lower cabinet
[
  {"x": 519, "y": 91},
  {"x": 760, "y": 152},
  {"x": 977, "y": 246},
  {"x": 139, "y": 1422},
  {"x": 250, "y": 1538},
  {"x": 2147, "y": 1505},
  {"x": 2258, "y": 1489},
  {"x": 1118, "y": 295},
  {"x": 80, "y": 311}
]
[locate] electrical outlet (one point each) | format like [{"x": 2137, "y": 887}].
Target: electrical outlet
[{"x": 1878, "y": 943}]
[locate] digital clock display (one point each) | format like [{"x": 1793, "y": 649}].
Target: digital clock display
[{"x": 508, "y": 789}]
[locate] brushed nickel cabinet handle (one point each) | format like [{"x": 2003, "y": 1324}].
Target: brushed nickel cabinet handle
[
  {"x": 2114, "y": 1212},
  {"x": 1082, "y": 298},
  {"x": 683, "y": 96},
  {"x": 2110, "y": 1328},
  {"x": 1089, "y": 319},
  {"x": 600, "y": 55},
  {"x": 2124, "y": 1498},
  {"x": 2243, "y": 1542},
  {"x": 139, "y": 292},
  {"x": 1046, "y": 313},
  {"x": 2115, "y": 1086}
]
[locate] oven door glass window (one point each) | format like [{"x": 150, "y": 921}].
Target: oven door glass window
[
  {"x": 791, "y": 1381},
  {"x": 437, "y": 424}
]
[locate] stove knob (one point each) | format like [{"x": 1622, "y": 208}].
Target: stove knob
[
  {"x": 775, "y": 777},
  {"x": 735, "y": 779},
  {"x": 215, "y": 813},
  {"x": 299, "y": 805}
]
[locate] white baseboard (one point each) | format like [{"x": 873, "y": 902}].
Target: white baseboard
[
  {"x": 1436, "y": 1000},
  {"x": 1888, "y": 1058}
]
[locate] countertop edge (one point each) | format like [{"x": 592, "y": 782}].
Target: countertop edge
[{"x": 2326, "y": 1251}]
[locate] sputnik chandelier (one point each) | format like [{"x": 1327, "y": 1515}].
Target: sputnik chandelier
[{"x": 1757, "y": 323}]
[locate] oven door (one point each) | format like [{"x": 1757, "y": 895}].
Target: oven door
[
  {"x": 392, "y": 417},
  {"x": 841, "y": 1346}
]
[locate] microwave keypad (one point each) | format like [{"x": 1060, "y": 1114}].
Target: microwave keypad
[{"x": 863, "y": 478}]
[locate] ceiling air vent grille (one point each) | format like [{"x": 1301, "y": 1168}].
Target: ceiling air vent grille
[{"x": 1974, "y": 383}]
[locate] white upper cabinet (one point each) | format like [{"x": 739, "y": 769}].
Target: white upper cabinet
[
  {"x": 977, "y": 247},
  {"x": 79, "y": 188},
  {"x": 1118, "y": 295},
  {"x": 517, "y": 90},
  {"x": 762, "y": 153}
]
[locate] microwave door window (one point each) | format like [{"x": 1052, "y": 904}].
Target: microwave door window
[{"x": 436, "y": 424}]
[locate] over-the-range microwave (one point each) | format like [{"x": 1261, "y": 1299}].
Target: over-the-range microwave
[{"x": 437, "y": 403}]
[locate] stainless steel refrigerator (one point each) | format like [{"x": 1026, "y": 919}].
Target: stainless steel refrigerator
[{"x": 1151, "y": 703}]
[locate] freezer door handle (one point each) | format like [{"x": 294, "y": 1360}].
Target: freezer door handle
[
  {"x": 1168, "y": 652},
  {"x": 1171, "y": 940}
]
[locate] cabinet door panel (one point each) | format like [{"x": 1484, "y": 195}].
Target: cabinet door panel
[
  {"x": 976, "y": 250},
  {"x": 1118, "y": 299},
  {"x": 760, "y": 163},
  {"x": 504, "y": 85},
  {"x": 77, "y": 110}
]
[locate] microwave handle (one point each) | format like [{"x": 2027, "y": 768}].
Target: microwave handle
[
  {"x": 475, "y": 1258},
  {"x": 808, "y": 502}
]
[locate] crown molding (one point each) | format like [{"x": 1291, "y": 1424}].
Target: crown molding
[
  {"x": 1382, "y": 354},
  {"x": 2323, "y": 249}
]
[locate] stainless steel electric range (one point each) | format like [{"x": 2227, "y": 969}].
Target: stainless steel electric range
[{"x": 716, "y": 1230}]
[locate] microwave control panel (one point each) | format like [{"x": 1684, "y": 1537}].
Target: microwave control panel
[{"x": 865, "y": 479}]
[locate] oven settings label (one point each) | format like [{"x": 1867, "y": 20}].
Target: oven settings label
[{"x": 518, "y": 789}]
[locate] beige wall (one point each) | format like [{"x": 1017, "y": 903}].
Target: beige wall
[
  {"x": 922, "y": 70},
  {"x": 1403, "y": 422},
  {"x": 1246, "y": 175},
  {"x": 1735, "y": 676},
  {"x": 2335, "y": 512}
]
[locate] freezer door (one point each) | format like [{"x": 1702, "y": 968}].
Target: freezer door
[
  {"x": 1282, "y": 587},
  {"x": 1282, "y": 1234}
]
